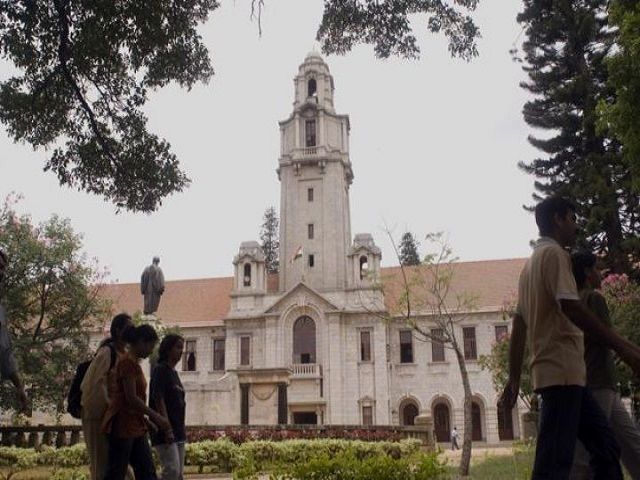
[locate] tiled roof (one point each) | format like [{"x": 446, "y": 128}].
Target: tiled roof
[
  {"x": 491, "y": 282},
  {"x": 206, "y": 302}
]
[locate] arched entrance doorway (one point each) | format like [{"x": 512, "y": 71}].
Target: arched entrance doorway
[
  {"x": 408, "y": 413},
  {"x": 441, "y": 422},
  {"x": 476, "y": 422},
  {"x": 304, "y": 340}
]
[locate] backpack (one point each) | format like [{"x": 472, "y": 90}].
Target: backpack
[{"x": 74, "y": 397}]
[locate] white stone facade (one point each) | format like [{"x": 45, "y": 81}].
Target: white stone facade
[{"x": 340, "y": 292}]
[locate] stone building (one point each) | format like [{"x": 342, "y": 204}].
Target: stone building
[{"x": 310, "y": 345}]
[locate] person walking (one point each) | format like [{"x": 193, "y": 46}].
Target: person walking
[
  {"x": 8, "y": 366},
  {"x": 454, "y": 439},
  {"x": 95, "y": 394},
  {"x": 167, "y": 397},
  {"x": 125, "y": 420},
  {"x": 601, "y": 373},
  {"x": 551, "y": 317}
]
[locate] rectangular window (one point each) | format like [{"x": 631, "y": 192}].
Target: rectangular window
[
  {"x": 312, "y": 261},
  {"x": 189, "y": 356},
  {"x": 310, "y": 133},
  {"x": 310, "y": 194},
  {"x": 245, "y": 350},
  {"x": 365, "y": 346},
  {"x": 502, "y": 332},
  {"x": 310, "y": 231},
  {"x": 282, "y": 403},
  {"x": 367, "y": 415},
  {"x": 244, "y": 403},
  {"x": 470, "y": 350},
  {"x": 437, "y": 346},
  {"x": 406, "y": 346},
  {"x": 218, "y": 354}
]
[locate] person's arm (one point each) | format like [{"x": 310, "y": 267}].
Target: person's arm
[
  {"x": 589, "y": 323},
  {"x": 8, "y": 366},
  {"x": 162, "y": 410},
  {"x": 517, "y": 343},
  {"x": 159, "y": 385},
  {"x": 23, "y": 400},
  {"x": 135, "y": 402}
]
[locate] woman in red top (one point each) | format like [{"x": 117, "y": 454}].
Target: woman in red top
[{"x": 125, "y": 420}]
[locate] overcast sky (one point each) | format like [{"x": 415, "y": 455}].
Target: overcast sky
[{"x": 434, "y": 146}]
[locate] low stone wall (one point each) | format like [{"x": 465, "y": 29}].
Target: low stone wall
[{"x": 66, "y": 435}]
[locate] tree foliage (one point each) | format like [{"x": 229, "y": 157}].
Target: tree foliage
[
  {"x": 409, "y": 250},
  {"x": 386, "y": 24},
  {"x": 623, "y": 300},
  {"x": 51, "y": 293},
  {"x": 85, "y": 71},
  {"x": 269, "y": 238},
  {"x": 566, "y": 47},
  {"x": 621, "y": 114},
  {"x": 497, "y": 363}
]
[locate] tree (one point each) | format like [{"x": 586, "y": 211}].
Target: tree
[
  {"x": 51, "y": 293},
  {"x": 269, "y": 238},
  {"x": 85, "y": 71},
  {"x": 620, "y": 113},
  {"x": 409, "y": 250},
  {"x": 432, "y": 306},
  {"x": 566, "y": 47}
]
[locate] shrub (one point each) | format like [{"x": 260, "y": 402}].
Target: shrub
[{"x": 346, "y": 466}]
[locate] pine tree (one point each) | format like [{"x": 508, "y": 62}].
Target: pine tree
[
  {"x": 269, "y": 238},
  {"x": 409, "y": 250},
  {"x": 566, "y": 45}
]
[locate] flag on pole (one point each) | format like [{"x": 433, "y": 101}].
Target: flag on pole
[{"x": 297, "y": 255}]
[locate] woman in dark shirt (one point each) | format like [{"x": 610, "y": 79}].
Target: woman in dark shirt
[
  {"x": 166, "y": 396},
  {"x": 125, "y": 419}
]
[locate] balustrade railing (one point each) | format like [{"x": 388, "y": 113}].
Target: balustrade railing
[{"x": 306, "y": 370}]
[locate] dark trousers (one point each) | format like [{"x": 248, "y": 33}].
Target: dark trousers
[
  {"x": 569, "y": 413},
  {"x": 125, "y": 451}
]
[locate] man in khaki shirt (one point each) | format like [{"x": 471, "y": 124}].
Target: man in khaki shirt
[{"x": 551, "y": 319}]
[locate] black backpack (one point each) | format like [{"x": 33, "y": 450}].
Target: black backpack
[{"x": 74, "y": 405}]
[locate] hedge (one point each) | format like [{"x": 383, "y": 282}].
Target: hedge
[{"x": 223, "y": 455}]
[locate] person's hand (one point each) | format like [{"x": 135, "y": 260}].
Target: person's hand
[
  {"x": 162, "y": 423},
  {"x": 633, "y": 360},
  {"x": 509, "y": 395},
  {"x": 151, "y": 426}
]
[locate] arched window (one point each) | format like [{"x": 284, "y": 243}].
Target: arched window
[
  {"x": 408, "y": 413},
  {"x": 304, "y": 340},
  {"x": 364, "y": 266},
  {"x": 312, "y": 87},
  {"x": 247, "y": 275}
]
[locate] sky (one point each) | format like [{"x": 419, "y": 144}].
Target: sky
[{"x": 435, "y": 144}]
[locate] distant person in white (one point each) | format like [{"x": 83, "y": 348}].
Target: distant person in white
[{"x": 454, "y": 439}]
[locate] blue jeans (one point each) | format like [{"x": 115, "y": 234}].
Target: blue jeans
[
  {"x": 125, "y": 451},
  {"x": 570, "y": 413},
  {"x": 171, "y": 456}
]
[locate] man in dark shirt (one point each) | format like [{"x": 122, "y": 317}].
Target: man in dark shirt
[
  {"x": 601, "y": 373},
  {"x": 8, "y": 368},
  {"x": 167, "y": 397}
]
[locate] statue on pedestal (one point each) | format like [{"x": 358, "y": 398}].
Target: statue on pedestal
[{"x": 152, "y": 286}]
